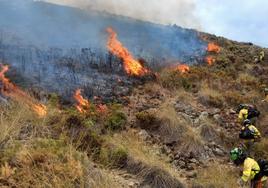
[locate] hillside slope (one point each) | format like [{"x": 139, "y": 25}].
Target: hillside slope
[
  {"x": 173, "y": 131},
  {"x": 45, "y": 43}
]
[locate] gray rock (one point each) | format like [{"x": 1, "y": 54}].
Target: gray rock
[
  {"x": 191, "y": 174},
  {"x": 204, "y": 115},
  {"x": 166, "y": 150},
  {"x": 144, "y": 135},
  {"x": 186, "y": 117},
  {"x": 218, "y": 119},
  {"x": 132, "y": 184},
  {"x": 190, "y": 167},
  {"x": 180, "y": 163},
  {"x": 214, "y": 111},
  {"x": 193, "y": 161},
  {"x": 232, "y": 111},
  {"x": 218, "y": 152}
]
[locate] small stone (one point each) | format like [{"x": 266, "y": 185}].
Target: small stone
[
  {"x": 166, "y": 150},
  {"x": 218, "y": 119},
  {"x": 180, "y": 163},
  {"x": 191, "y": 174},
  {"x": 215, "y": 111},
  {"x": 231, "y": 111},
  {"x": 144, "y": 135},
  {"x": 218, "y": 152},
  {"x": 190, "y": 167},
  {"x": 131, "y": 184},
  {"x": 193, "y": 161}
]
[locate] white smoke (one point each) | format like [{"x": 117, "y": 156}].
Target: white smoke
[{"x": 180, "y": 12}]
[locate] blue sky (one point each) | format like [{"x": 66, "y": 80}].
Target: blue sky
[{"x": 242, "y": 20}]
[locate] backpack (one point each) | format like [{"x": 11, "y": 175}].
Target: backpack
[
  {"x": 246, "y": 133},
  {"x": 263, "y": 166},
  {"x": 252, "y": 112}
]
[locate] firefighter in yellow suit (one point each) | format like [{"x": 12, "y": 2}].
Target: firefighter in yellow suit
[
  {"x": 250, "y": 169},
  {"x": 247, "y": 112}
]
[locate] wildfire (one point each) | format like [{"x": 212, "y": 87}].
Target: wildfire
[
  {"x": 131, "y": 66},
  {"x": 11, "y": 90},
  {"x": 210, "y": 60},
  {"x": 183, "y": 68},
  {"x": 82, "y": 104},
  {"x": 102, "y": 108},
  {"x": 212, "y": 47}
]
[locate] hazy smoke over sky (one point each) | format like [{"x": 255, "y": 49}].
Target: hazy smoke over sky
[{"x": 180, "y": 12}]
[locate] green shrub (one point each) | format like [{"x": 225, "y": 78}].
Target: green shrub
[
  {"x": 148, "y": 120},
  {"x": 53, "y": 100},
  {"x": 115, "y": 121},
  {"x": 113, "y": 157}
]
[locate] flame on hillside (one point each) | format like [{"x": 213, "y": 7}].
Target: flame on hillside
[
  {"x": 131, "y": 66},
  {"x": 210, "y": 60},
  {"x": 11, "y": 90},
  {"x": 82, "y": 103},
  {"x": 212, "y": 47},
  {"x": 102, "y": 108},
  {"x": 183, "y": 68}
]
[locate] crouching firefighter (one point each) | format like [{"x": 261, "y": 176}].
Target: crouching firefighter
[
  {"x": 246, "y": 111},
  {"x": 250, "y": 134},
  {"x": 254, "y": 174}
]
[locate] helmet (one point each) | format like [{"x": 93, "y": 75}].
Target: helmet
[
  {"x": 246, "y": 122},
  {"x": 240, "y": 107},
  {"x": 238, "y": 155}
]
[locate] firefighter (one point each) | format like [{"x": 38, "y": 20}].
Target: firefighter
[
  {"x": 247, "y": 112},
  {"x": 261, "y": 56},
  {"x": 251, "y": 168},
  {"x": 249, "y": 131},
  {"x": 250, "y": 134}
]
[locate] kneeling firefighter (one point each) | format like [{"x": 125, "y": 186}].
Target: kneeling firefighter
[{"x": 254, "y": 173}]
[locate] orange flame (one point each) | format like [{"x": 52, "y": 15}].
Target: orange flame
[
  {"x": 210, "y": 60},
  {"x": 11, "y": 90},
  {"x": 183, "y": 68},
  {"x": 212, "y": 47},
  {"x": 102, "y": 108},
  {"x": 131, "y": 66},
  {"x": 82, "y": 104}
]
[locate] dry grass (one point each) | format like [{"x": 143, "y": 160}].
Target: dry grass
[
  {"x": 218, "y": 175},
  {"x": 31, "y": 155},
  {"x": 261, "y": 149},
  {"x": 144, "y": 160},
  {"x": 15, "y": 119},
  {"x": 247, "y": 79},
  {"x": 210, "y": 97}
]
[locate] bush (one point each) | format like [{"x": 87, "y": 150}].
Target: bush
[
  {"x": 113, "y": 157},
  {"x": 213, "y": 101},
  {"x": 174, "y": 80},
  {"x": 147, "y": 120},
  {"x": 34, "y": 164},
  {"x": 234, "y": 98},
  {"x": 115, "y": 121}
]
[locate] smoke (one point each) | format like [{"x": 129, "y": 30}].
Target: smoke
[{"x": 180, "y": 12}]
